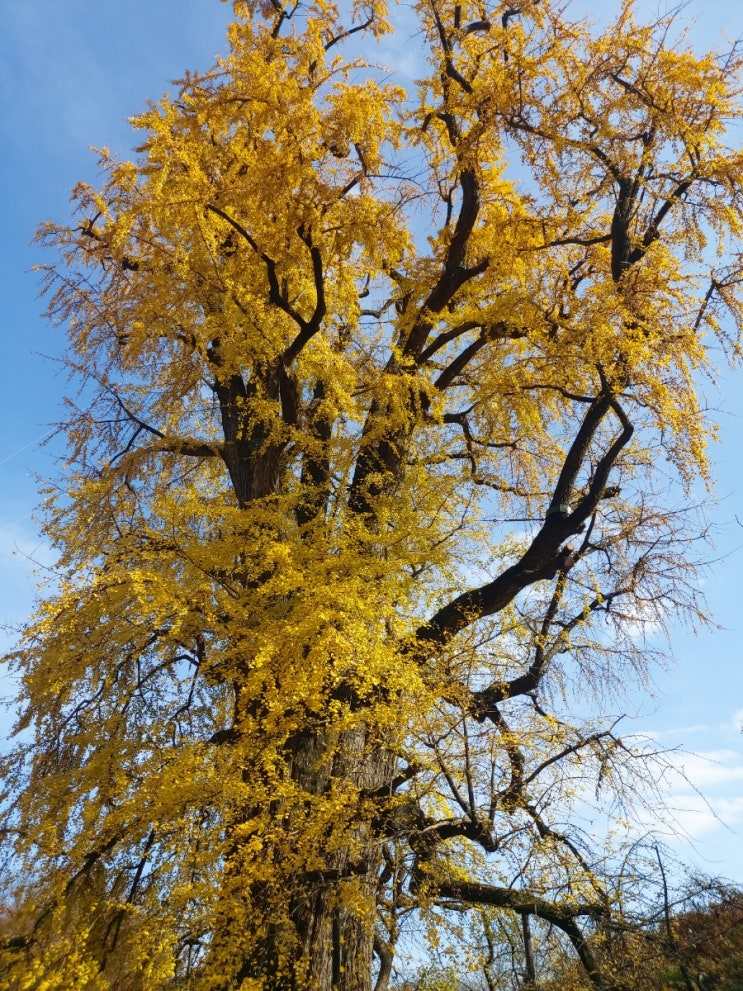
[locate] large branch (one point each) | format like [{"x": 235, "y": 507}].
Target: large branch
[
  {"x": 493, "y": 332},
  {"x": 184, "y": 446},
  {"x": 309, "y": 327},
  {"x": 526, "y": 904},
  {"x": 476, "y": 893},
  {"x": 274, "y": 289},
  {"x": 455, "y": 272},
  {"x": 483, "y": 703},
  {"x": 545, "y": 556}
]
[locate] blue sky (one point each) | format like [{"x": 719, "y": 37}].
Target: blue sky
[{"x": 71, "y": 72}]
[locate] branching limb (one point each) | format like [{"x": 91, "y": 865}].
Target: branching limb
[
  {"x": 170, "y": 445},
  {"x": 275, "y": 295},
  {"x": 386, "y": 956},
  {"x": 499, "y": 331},
  {"x": 543, "y": 559},
  {"x": 563, "y": 916},
  {"x": 309, "y": 327}
]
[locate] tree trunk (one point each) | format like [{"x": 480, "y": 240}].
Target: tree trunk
[
  {"x": 337, "y": 940},
  {"x": 314, "y": 937},
  {"x": 304, "y": 934}
]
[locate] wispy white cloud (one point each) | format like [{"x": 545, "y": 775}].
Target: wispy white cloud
[
  {"x": 707, "y": 770},
  {"x": 702, "y": 817},
  {"x": 698, "y": 816},
  {"x": 736, "y": 722},
  {"x": 677, "y": 732}
]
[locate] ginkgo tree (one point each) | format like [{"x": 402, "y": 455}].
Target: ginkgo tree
[{"x": 382, "y": 461}]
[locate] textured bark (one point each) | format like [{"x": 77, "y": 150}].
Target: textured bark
[{"x": 326, "y": 946}]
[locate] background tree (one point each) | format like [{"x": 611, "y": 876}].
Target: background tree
[
  {"x": 690, "y": 940},
  {"x": 368, "y": 494}
]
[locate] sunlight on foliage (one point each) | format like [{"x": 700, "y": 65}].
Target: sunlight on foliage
[{"x": 383, "y": 465}]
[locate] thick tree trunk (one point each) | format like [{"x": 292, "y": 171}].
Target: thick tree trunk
[
  {"x": 313, "y": 936},
  {"x": 337, "y": 939},
  {"x": 337, "y": 944},
  {"x": 308, "y": 935}
]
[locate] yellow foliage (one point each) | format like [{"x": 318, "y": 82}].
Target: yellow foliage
[{"x": 383, "y": 387}]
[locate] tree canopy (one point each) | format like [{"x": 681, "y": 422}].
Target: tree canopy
[{"x": 380, "y": 467}]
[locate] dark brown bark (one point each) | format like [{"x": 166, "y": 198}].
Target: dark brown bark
[
  {"x": 546, "y": 556},
  {"x": 530, "y": 970},
  {"x": 564, "y": 917},
  {"x": 321, "y": 944}
]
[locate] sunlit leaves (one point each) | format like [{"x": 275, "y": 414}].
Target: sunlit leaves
[{"x": 367, "y": 508}]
